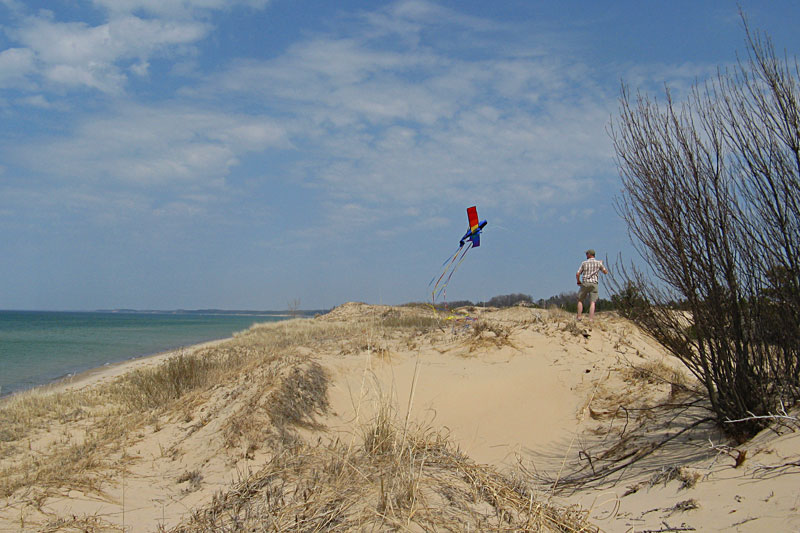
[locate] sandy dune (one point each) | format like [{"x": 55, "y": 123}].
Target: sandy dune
[{"x": 594, "y": 418}]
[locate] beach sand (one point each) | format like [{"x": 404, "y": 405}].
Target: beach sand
[{"x": 583, "y": 415}]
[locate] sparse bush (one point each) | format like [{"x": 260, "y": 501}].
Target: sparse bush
[{"x": 711, "y": 197}]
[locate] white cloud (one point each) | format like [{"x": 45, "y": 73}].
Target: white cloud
[
  {"x": 680, "y": 78},
  {"x": 14, "y": 6},
  {"x": 155, "y": 148},
  {"x": 418, "y": 126},
  {"x": 38, "y": 100},
  {"x": 141, "y": 68},
  {"x": 76, "y": 54},
  {"x": 15, "y": 65},
  {"x": 174, "y": 8},
  {"x": 379, "y": 128}
]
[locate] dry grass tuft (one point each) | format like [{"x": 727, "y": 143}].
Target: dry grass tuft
[
  {"x": 193, "y": 480},
  {"x": 688, "y": 478},
  {"x": 574, "y": 328},
  {"x": 302, "y": 394},
  {"x": 488, "y": 334},
  {"x": 156, "y": 387},
  {"x": 380, "y": 436},
  {"x": 658, "y": 373},
  {"x": 27, "y": 412},
  {"x": 82, "y": 524}
]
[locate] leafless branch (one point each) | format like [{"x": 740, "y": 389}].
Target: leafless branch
[{"x": 711, "y": 197}]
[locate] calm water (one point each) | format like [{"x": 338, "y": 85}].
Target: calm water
[{"x": 39, "y": 347}]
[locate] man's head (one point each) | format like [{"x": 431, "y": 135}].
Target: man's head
[{"x": 589, "y": 253}]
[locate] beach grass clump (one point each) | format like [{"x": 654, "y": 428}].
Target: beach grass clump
[
  {"x": 27, "y": 412},
  {"x": 75, "y": 465},
  {"x": 193, "y": 480},
  {"x": 687, "y": 477},
  {"x": 659, "y": 373},
  {"x": 649, "y": 373},
  {"x": 484, "y": 334},
  {"x": 155, "y": 387},
  {"x": 379, "y": 435},
  {"x": 354, "y": 328},
  {"x": 302, "y": 394},
  {"x": 414, "y": 318}
]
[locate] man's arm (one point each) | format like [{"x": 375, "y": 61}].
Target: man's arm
[{"x": 578, "y": 277}]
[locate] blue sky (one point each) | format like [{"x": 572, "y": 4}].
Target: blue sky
[{"x": 252, "y": 153}]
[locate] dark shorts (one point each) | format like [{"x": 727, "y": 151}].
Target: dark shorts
[{"x": 590, "y": 290}]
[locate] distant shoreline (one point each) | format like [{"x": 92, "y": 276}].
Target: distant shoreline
[
  {"x": 54, "y": 375},
  {"x": 104, "y": 373},
  {"x": 202, "y": 312}
]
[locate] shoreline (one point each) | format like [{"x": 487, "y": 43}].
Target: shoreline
[{"x": 102, "y": 374}]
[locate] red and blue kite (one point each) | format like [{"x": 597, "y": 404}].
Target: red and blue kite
[
  {"x": 475, "y": 228},
  {"x": 473, "y": 235}
]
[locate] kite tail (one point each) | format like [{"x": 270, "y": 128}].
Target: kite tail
[
  {"x": 453, "y": 271},
  {"x": 449, "y": 261},
  {"x": 452, "y": 266}
]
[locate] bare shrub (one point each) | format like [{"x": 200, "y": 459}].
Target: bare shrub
[{"x": 711, "y": 197}]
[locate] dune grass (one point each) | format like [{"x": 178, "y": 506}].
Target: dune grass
[
  {"x": 397, "y": 476},
  {"x": 87, "y": 425}
]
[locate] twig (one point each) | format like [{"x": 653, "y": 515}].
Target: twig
[
  {"x": 667, "y": 527},
  {"x": 739, "y": 456},
  {"x": 770, "y": 468},
  {"x": 764, "y": 417},
  {"x": 782, "y": 415}
]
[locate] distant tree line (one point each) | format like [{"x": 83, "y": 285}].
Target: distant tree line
[{"x": 566, "y": 300}]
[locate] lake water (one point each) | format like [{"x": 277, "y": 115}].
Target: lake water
[{"x": 37, "y": 347}]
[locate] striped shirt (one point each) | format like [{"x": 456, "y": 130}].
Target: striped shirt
[{"x": 589, "y": 269}]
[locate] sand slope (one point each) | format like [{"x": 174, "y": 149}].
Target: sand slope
[{"x": 583, "y": 415}]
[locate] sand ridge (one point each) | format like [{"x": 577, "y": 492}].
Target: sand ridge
[{"x": 528, "y": 392}]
